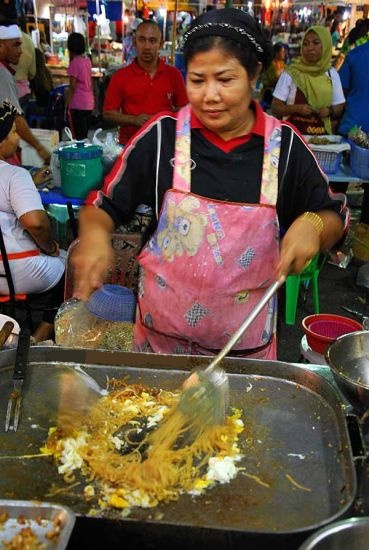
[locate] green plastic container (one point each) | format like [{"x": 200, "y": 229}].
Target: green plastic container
[{"x": 81, "y": 169}]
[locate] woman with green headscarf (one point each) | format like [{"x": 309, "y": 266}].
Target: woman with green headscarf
[{"x": 309, "y": 92}]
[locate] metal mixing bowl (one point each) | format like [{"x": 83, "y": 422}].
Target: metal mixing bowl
[
  {"x": 348, "y": 358},
  {"x": 352, "y": 533}
]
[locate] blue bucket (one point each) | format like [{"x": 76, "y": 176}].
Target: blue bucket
[
  {"x": 359, "y": 161},
  {"x": 113, "y": 303}
]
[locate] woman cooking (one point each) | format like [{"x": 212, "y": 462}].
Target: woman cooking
[
  {"x": 224, "y": 179},
  {"x": 309, "y": 92}
]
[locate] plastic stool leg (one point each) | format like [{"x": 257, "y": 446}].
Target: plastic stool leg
[
  {"x": 315, "y": 292},
  {"x": 292, "y": 294}
]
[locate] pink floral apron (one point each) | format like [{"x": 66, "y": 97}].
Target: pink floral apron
[{"x": 209, "y": 262}]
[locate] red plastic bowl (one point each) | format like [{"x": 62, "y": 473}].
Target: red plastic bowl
[{"x": 324, "y": 328}]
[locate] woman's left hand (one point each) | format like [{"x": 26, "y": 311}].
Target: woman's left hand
[
  {"x": 299, "y": 245},
  {"x": 42, "y": 176},
  {"x": 324, "y": 112}
]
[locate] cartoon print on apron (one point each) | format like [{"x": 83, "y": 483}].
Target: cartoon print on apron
[{"x": 209, "y": 262}]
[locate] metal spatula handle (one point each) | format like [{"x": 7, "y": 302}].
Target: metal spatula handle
[
  {"x": 245, "y": 325},
  {"x": 21, "y": 358}
]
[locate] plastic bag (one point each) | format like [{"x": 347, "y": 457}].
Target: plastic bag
[
  {"x": 76, "y": 327},
  {"x": 55, "y": 168},
  {"x": 111, "y": 148}
]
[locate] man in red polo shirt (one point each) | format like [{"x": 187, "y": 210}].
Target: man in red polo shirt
[{"x": 145, "y": 87}]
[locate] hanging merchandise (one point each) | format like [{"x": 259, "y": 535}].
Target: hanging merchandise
[
  {"x": 145, "y": 11},
  {"x": 103, "y": 23},
  {"x": 78, "y": 4},
  {"x": 79, "y": 25}
]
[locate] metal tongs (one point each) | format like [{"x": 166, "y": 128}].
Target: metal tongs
[
  {"x": 15, "y": 398},
  {"x": 206, "y": 402}
]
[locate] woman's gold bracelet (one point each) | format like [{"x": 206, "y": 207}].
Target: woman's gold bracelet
[{"x": 315, "y": 220}]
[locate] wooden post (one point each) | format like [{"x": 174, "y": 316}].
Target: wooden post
[
  {"x": 174, "y": 33},
  {"x": 123, "y": 24},
  {"x": 98, "y": 34},
  {"x": 51, "y": 19}
]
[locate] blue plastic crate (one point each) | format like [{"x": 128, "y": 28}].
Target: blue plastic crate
[
  {"x": 328, "y": 161},
  {"x": 329, "y": 154},
  {"x": 359, "y": 161}
]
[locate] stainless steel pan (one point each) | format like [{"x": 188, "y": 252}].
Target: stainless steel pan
[
  {"x": 348, "y": 358},
  {"x": 296, "y": 441}
]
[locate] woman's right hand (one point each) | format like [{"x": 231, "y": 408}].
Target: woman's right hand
[
  {"x": 44, "y": 153},
  {"x": 303, "y": 109},
  {"x": 90, "y": 262},
  {"x": 141, "y": 119}
]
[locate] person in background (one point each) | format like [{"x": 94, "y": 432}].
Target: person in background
[
  {"x": 309, "y": 93},
  {"x": 79, "y": 98},
  {"x": 43, "y": 84},
  {"x": 270, "y": 76},
  {"x": 355, "y": 82},
  {"x": 44, "y": 45},
  {"x": 36, "y": 262},
  {"x": 25, "y": 70},
  {"x": 362, "y": 36},
  {"x": 357, "y": 36},
  {"x": 335, "y": 33},
  {"x": 225, "y": 181},
  {"x": 10, "y": 52},
  {"x": 145, "y": 87}
]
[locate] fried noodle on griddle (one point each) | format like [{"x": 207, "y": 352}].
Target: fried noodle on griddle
[{"x": 169, "y": 460}]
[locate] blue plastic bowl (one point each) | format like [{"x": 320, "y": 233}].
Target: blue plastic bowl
[{"x": 113, "y": 303}]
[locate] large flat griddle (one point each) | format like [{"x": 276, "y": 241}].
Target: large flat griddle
[{"x": 295, "y": 427}]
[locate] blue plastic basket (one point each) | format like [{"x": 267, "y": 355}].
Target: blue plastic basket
[
  {"x": 328, "y": 161},
  {"x": 113, "y": 303},
  {"x": 359, "y": 161}
]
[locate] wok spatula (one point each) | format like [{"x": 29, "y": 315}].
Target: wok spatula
[{"x": 205, "y": 402}]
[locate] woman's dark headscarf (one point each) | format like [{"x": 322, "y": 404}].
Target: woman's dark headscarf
[
  {"x": 7, "y": 116},
  {"x": 233, "y": 24}
]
